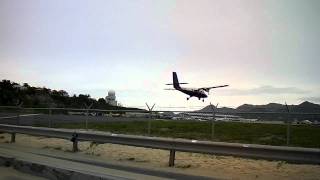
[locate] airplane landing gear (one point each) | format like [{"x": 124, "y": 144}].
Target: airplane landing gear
[
  {"x": 202, "y": 100},
  {"x": 188, "y": 98}
]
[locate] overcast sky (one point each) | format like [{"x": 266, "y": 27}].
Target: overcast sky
[{"x": 268, "y": 51}]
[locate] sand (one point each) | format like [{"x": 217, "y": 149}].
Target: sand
[{"x": 225, "y": 167}]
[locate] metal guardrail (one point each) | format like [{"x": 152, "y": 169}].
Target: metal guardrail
[{"x": 290, "y": 154}]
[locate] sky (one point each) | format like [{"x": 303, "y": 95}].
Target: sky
[{"x": 267, "y": 50}]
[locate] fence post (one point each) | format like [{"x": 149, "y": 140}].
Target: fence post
[
  {"x": 50, "y": 113},
  {"x": 87, "y": 113},
  {"x": 149, "y": 119},
  {"x": 19, "y": 109},
  {"x": 172, "y": 157},
  {"x": 213, "y": 119},
  {"x": 288, "y": 125},
  {"x": 18, "y": 117}
]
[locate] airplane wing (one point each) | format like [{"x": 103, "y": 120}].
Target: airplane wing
[{"x": 208, "y": 88}]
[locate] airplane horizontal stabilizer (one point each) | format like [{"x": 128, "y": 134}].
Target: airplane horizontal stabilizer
[{"x": 177, "y": 83}]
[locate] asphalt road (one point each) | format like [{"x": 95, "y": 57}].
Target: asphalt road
[
  {"x": 53, "y": 161},
  {"x": 30, "y": 119},
  {"x": 33, "y": 119}
]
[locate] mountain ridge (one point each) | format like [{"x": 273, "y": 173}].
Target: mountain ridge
[{"x": 304, "y": 107}]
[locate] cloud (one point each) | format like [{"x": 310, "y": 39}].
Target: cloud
[
  {"x": 312, "y": 99},
  {"x": 262, "y": 90}
]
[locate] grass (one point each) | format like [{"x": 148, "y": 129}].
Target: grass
[{"x": 251, "y": 133}]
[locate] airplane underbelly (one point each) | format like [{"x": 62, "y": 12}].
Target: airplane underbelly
[{"x": 192, "y": 93}]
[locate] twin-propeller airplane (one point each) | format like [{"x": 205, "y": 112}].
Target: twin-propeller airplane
[{"x": 192, "y": 92}]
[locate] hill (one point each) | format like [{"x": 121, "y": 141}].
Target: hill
[
  {"x": 221, "y": 110},
  {"x": 305, "y": 107}
]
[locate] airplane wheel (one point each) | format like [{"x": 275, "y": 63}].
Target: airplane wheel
[
  {"x": 202, "y": 100},
  {"x": 187, "y": 98}
]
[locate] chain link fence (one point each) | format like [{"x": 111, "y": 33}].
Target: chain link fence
[{"x": 272, "y": 128}]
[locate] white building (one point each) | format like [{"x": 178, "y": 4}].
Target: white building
[{"x": 111, "y": 98}]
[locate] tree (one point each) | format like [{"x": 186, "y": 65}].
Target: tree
[
  {"x": 26, "y": 85},
  {"x": 7, "y": 93},
  {"x": 102, "y": 101}
]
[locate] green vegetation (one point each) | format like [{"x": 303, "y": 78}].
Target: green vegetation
[
  {"x": 12, "y": 93},
  {"x": 269, "y": 134}
]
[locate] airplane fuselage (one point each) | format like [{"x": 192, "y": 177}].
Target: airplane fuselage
[{"x": 193, "y": 92}]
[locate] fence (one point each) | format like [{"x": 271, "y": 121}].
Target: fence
[{"x": 248, "y": 127}]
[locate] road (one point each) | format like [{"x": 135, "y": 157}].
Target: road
[
  {"x": 30, "y": 119},
  {"x": 51, "y": 163},
  {"x": 33, "y": 119}
]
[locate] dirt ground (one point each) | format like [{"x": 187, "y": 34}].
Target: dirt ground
[
  {"x": 224, "y": 167},
  {"x": 8, "y": 173}
]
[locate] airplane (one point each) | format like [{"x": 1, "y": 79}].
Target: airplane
[{"x": 192, "y": 92}]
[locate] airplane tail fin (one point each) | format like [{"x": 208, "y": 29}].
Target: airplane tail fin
[
  {"x": 175, "y": 81},
  {"x": 176, "y": 84}
]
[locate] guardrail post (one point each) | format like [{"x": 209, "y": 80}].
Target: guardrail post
[
  {"x": 74, "y": 140},
  {"x": 13, "y": 137},
  {"x": 75, "y": 146},
  {"x": 172, "y": 157}
]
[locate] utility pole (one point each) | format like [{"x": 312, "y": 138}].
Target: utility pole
[{"x": 149, "y": 119}]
